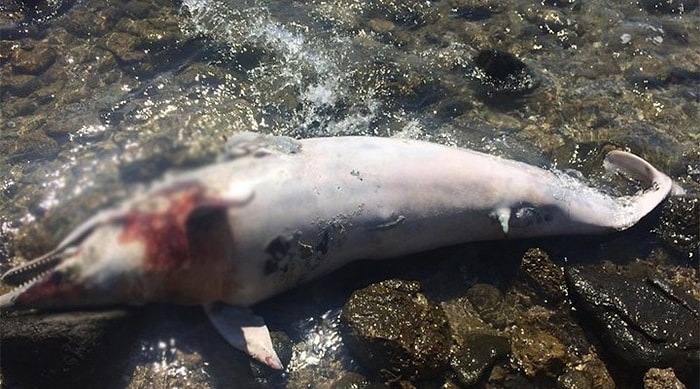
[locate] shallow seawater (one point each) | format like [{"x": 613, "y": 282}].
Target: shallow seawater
[{"x": 100, "y": 98}]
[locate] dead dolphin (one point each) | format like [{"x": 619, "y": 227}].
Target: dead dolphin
[{"x": 280, "y": 212}]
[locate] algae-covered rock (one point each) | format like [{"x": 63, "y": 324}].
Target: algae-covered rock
[
  {"x": 545, "y": 279},
  {"x": 656, "y": 378},
  {"x": 394, "y": 331}
]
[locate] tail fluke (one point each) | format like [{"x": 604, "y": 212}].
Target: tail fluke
[{"x": 643, "y": 203}]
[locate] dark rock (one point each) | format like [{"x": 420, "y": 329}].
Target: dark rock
[
  {"x": 501, "y": 75},
  {"x": 53, "y": 350},
  {"x": 656, "y": 378},
  {"x": 679, "y": 225},
  {"x": 543, "y": 276},
  {"x": 472, "y": 361},
  {"x": 395, "y": 332},
  {"x": 670, "y": 6},
  {"x": 645, "y": 323}
]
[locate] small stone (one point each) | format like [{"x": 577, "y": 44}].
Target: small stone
[
  {"x": 656, "y": 378},
  {"x": 394, "y": 331},
  {"x": 381, "y": 25},
  {"x": 123, "y": 46},
  {"x": 34, "y": 61}
]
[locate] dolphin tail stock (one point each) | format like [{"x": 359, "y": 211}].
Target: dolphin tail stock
[{"x": 643, "y": 203}]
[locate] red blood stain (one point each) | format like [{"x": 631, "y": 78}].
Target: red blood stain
[{"x": 164, "y": 232}]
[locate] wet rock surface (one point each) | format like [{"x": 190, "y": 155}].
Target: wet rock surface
[
  {"x": 394, "y": 330},
  {"x": 472, "y": 360},
  {"x": 656, "y": 378},
  {"x": 681, "y": 233},
  {"x": 543, "y": 277},
  {"x": 647, "y": 323}
]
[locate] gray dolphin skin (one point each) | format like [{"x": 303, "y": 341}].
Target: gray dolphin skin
[{"x": 279, "y": 212}]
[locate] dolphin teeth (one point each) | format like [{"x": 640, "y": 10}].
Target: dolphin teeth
[
  {"x": 30, "y": 271},
  {"x": 503, "y": 217}
]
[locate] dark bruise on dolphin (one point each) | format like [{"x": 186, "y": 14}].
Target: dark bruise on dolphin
[{"x": 281, "y": 212}]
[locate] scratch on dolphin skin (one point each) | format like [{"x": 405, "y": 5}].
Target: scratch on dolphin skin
[{"x": 388, "y": 225}]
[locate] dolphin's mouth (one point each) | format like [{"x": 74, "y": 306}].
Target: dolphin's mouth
[
  {"x": 33, "y": 269},
  {"x": 26, "y": 275}
]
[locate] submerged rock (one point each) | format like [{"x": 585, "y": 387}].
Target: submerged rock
[
  {"x": 395, "y": 332},
  {"x": 669, "y": 6},
  {"x": 645, "y": 323},
  {"x": 501, "y": 75}
]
